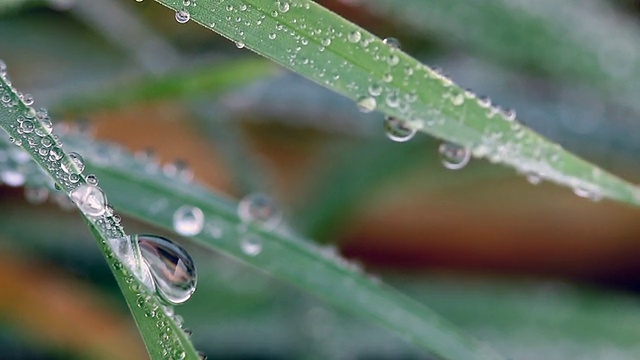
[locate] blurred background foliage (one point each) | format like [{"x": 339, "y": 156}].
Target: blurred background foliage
[{"x": 535, "y": 271}]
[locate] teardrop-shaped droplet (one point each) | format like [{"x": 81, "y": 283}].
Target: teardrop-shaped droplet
[
  {"x": 127, "y": 250},
  {"x": 453, "y": 156},
  {"x": 188, "y": 220},
  {"x": 171, "y": 268},
  {"x": 261, "y": 209},
  {"x": 90, "y": 200},
  {"x": 397, "y": 129},
  {"x": 75, "y": 164}
]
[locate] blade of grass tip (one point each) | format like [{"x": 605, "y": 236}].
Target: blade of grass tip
[
  {"x": 312, "y": 41},
  {"x": 183, "y": 84},
  {"x": 154, "y": 198},
  {"x": 32, "y": 131}
]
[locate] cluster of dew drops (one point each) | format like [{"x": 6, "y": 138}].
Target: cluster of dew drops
[{"x": 161, "y": 265}]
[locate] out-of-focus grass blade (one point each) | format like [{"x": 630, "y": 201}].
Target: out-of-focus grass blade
[
  {"x": 322, "y": 46},
  {"x": 178, "y": 85}
]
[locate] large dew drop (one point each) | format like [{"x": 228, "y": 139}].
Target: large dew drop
[
  {"x": 398, "y": 130},
  {"x": 261, "y": 209},
  {"x": 454, "y": 157},
  {"x": 90, "y": 200},
  {"x": 188, "y": 220},
  {"x": 171, "y": 268}
]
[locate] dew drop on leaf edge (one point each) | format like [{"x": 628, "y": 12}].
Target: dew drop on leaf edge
[{"x": 172, "y": 268}]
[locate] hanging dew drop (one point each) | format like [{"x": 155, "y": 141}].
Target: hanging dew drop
[
  {"x": 261, "y": 209},
  {"x": 182, "y": 16},
  {"x": 171, "y": 267},
  {"x": 188, "y": 220},
  {"x": 398, "y": 130},
  {"x": 453, "y": 156},
  {"x": 90, "y": 200}
]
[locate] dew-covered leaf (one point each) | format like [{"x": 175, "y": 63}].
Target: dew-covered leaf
[
  {"x": 32, "y": 131},
  {"x": 312, "y": 41}
]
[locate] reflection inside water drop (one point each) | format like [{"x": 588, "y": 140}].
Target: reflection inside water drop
[
  {"x": 453, "y": 156},
  {"x": 398, "y": 130},
  {"x": 171, "y": 267}
]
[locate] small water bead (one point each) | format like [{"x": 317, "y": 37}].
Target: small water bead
[
  {"x": 27, "y": 99},
  {"x": 182, "y": 16},
  {"x": 251, "y": 244},
  {"x": 453, "y": 156},
  {"x": 178, "y": 169},
  {"x": 509, "y": 114},
  {"x": 92, "y": 179},
  {"x": 188, "y": 220},
  {"x": 354, "y": 36},
  {"x": 398, "y": 130},
  {"x": 283, "y": 6},
  {"x": 90, "y": 200},
  {"x": 239, "y": 44},
  {"x": 171, "y": 267},
  {"x": 367, "y": 104},
  {"x": 392, "y": 42},
  {"x": 259, "y": 208},
  {"x": 75, "y": 164},
  {"x": 375, "y": 89}
]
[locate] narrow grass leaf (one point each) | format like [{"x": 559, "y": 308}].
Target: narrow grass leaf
[
  {"x": 312, "y": 41},
  {"x": 31, "y": 130}
]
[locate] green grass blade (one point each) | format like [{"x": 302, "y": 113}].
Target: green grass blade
[
  {"x": 162, "y": 336},
  {"x": 153, "y": 197},
  {"x": 328, "y": 49},
  {"x": 183, "y": 84}
]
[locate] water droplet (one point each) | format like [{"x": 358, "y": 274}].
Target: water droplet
[
  {"x": 392, "y": 42},
  {"x": 354, "y": 36},
  {"x": 283, "y": 6},
  {"x": 454, "y": 157},
  {"x": 367, "y": 104},
  {"x": 75, "y": 164},
  {"x": 397, "y": 129},
  {"x": 188, "y": 220},
  {"x": 90, "y": 200},
  {"x": 92, "y": 179},
  {"x": 182, "y": 16},
  {"x": 171, "y": 268},
  {"x": 251, "y": 244},
  {"x": 261, "y": 209}
]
